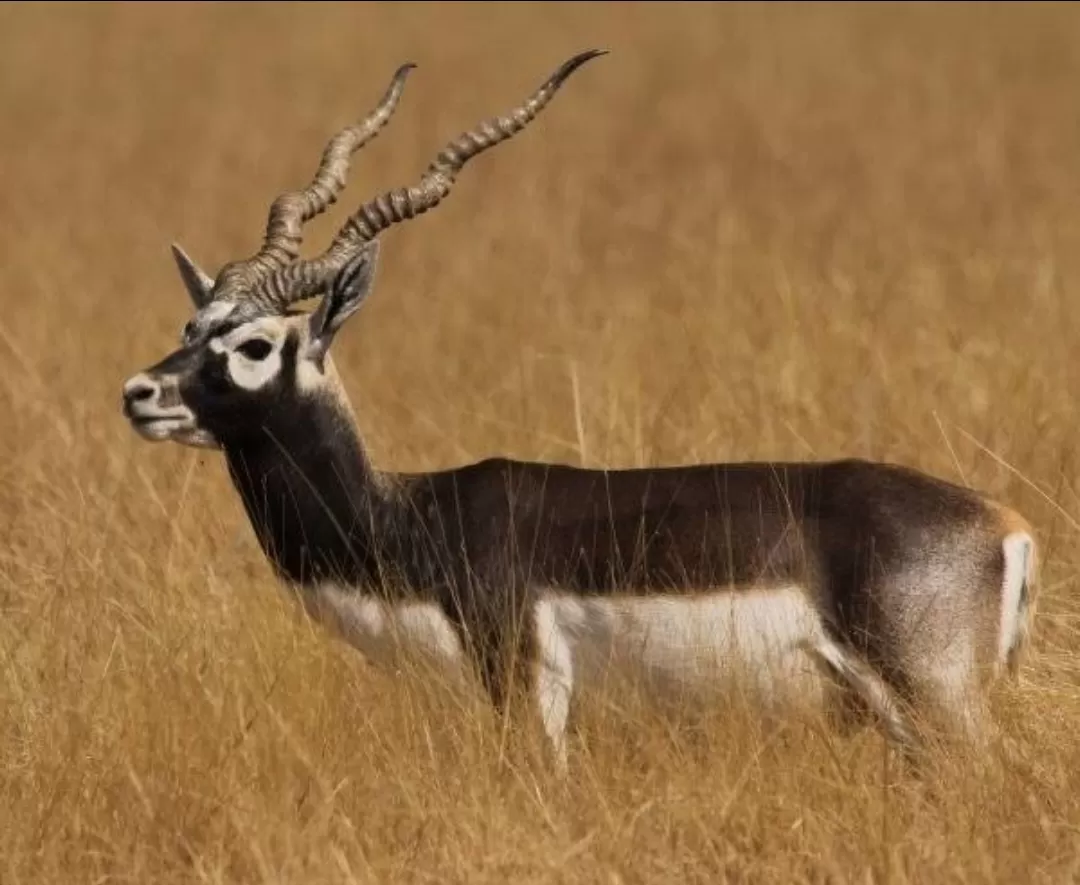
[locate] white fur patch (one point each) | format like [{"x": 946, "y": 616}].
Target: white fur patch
[
  {"x": 770, "y": 636},
  {"x": 245, "y": 372},
  {"x": 1017, "y": 548},
  {"x": 685, "y": 643},
  {"x": 554, "y": 678},
  {"x": 772, "y": 640},
  {"x": 253, "y": 374},
  {"x": 308, "y": 377},
  {"x": 382, "y": 630},
  {"x": 327, "y": 383}
]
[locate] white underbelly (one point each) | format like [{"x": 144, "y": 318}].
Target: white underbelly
[
  {"x": 670, "y": 644},
  {"x": 689, "y": 644}
]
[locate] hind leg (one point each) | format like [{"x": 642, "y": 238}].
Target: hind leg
[
  {"x": 871, "y": 689},
  {"x": 952, "y": 693}
]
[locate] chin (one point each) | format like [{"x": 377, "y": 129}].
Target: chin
[{"x": 196, "y": 438}]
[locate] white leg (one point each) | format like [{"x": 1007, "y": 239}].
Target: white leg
[
  {"x": 554, "y": 682},
  {"x": 956, "y": 693}
]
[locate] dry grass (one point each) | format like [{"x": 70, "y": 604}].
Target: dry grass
[{"x": 750, "y": 232}]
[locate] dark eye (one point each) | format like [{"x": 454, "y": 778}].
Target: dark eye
[{"x": 255, "y": 348}]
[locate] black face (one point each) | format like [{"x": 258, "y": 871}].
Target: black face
[
  {"x": 222, "y": 386},
  {"x": 240, "y": 369}
]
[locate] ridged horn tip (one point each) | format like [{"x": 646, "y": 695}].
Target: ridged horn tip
[
  {"x": 568, "y": 67},
  {"x": 400, "y": 75}
]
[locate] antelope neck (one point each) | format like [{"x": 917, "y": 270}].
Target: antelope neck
[{"x": 312, "y": 496}]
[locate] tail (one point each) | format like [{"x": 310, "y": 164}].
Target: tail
[{"x": 1018, "y": 598}]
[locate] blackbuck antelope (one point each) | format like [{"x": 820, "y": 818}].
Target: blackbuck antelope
[{"x": 818, "y": 581}]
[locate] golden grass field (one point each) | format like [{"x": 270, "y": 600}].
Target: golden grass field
[{"x": 769, "y": 231}]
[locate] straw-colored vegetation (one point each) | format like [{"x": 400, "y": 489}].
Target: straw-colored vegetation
[{"x": 751, "y": 232}]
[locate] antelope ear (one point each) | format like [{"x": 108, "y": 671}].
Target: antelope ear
[
  {"x": 348, "y": 289},
  {"x": 198, "y": 283}
]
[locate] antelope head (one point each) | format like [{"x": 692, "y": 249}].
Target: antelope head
[{"x": 247, "y": 350}]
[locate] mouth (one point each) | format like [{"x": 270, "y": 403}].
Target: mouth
[
  {"x": 179, "y": 428},
  {"x": 160, "y": 427}
]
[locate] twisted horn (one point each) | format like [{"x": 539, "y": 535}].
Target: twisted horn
[
  {"x": 305, "y": 279},
  {"x": 291, "y": 210}
]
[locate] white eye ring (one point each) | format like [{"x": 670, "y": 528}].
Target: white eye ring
[{"x": 255, "y": 349}]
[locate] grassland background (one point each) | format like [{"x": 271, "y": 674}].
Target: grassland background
[{"x": 773, "y": 231}]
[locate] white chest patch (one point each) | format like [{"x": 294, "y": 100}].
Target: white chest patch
[
  {"x": 688, "y": 643},
  {"x": 383, "y": 632}
]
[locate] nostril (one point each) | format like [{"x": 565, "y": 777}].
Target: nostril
[{"x": 139, "y": 391}]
